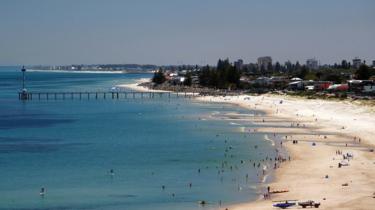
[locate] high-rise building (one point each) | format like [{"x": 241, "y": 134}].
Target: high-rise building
[
  {"x": 264, "y": 62},
  {"x": 357, "y": 63},
  {"x": 373, "y": 63},
  {"x": 312, "y": 64},
  {"x": 238, "y": 64}
]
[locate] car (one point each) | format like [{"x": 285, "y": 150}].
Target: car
[{"x": 309, "y": 203}]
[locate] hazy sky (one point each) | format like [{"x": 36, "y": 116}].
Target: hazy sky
[{"x": 184, "y": 31}]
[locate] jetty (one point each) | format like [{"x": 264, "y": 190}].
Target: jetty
[
  {"x": 25, "y": 95},
  {"x": 95, "y": 95}
]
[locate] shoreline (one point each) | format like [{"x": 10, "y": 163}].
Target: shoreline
[
  {"x": 313, "y": 172},
  {"x": 304, "y": 176},
  {"x": 136, "y": 86}
]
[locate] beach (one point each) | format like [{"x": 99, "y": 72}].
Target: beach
[
  {"x": 332, "y": 126},
  {"x": 326, "y": 131}
]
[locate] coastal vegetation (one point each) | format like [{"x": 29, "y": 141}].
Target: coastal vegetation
[
  {"x": 159, "y": 77},
  {"x": 292, "y": 78},
  {"x": 224, "y": 76}
]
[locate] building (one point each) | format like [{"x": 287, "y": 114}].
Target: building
[
  {"x": 312, "y": 64},
  {"x": 238, "y": 64},
  {"x": 357, "y": 63},
  {"x": 373, "y": 63},
  {"x": 264, "y": 62},
  {"x": 322, "y": 85},
  {"x": 262, "y": 81},
  {"x": 362, "y": 86}
]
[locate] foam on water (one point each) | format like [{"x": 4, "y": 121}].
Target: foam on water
[{"x": 269, "y": 140}]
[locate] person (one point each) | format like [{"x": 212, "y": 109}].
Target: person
[
  {"x": 268, "y": 189},
  {"x": 42, "y": 191}
]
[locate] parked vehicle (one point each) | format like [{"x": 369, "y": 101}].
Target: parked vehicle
[{"x": 309, "y": 203}]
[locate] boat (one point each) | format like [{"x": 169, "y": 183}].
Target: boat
[
  {"x": 284, "y": 204},
  {"x": 279, "y": 191}
]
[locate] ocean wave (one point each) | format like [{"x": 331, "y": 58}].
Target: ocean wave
[{"x": 268, "y": 139}]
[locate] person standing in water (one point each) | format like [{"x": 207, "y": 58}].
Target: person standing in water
[
  {"x": 111, "y": 172},
  {"x": 42, "y": 192}
]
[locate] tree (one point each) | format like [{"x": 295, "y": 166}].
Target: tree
[
  {"x": 336, "y": 78},
  {"x": 204, "y": 76},
  {"x": 319, "y": 74},
  {"x": 159, "y": 77},
  {"x": 298, "y": 66},
  {"x": 225, "y": 75},
  {"x": 277, "y": 67},
  {"x": 344, "y": 64},
  {"x": 310, "y": 76},
  {"x": 188, "y": 80},
  {"x": 363, "y": 73},
  {"x": 269, "y": 67},
  {"x": 303, "y": 72}
]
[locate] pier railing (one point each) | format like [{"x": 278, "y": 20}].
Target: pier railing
[{"x": 102, "y": 95}]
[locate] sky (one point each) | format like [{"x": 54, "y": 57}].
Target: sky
[{"x": 161, "y": 32}]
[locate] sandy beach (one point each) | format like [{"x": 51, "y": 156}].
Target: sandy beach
[
  {"x": 326, "y": 131},
  {"x": 332, "y": 126}
]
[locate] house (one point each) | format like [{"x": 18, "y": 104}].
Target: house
[
  {"x": 362, "y": 86},
  {"x": 177, "y": 80},
  {"x": 322, "y": 85},
  {"x": 263, "y": 81},
  {"x": 309, "y": 85},
  {"x": 338, "y": 87},
  {"x": 296, "y": 85},
  {"x": 279, "y": 81}
]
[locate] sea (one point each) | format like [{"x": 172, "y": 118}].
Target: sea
[{"x": 133, "y": 154}]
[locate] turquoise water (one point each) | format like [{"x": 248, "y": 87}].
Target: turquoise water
[{"x": 69, "y": 147}]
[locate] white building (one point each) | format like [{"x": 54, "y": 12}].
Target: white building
[
  {"x": 357, "y": 63},
  {"x": 264, "y": 62},
  {"x": 312, "y": 64}
]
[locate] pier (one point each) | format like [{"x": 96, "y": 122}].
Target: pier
[
  {"x": 26, "y": 95},
  {"x": 96, "y": 95}
]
